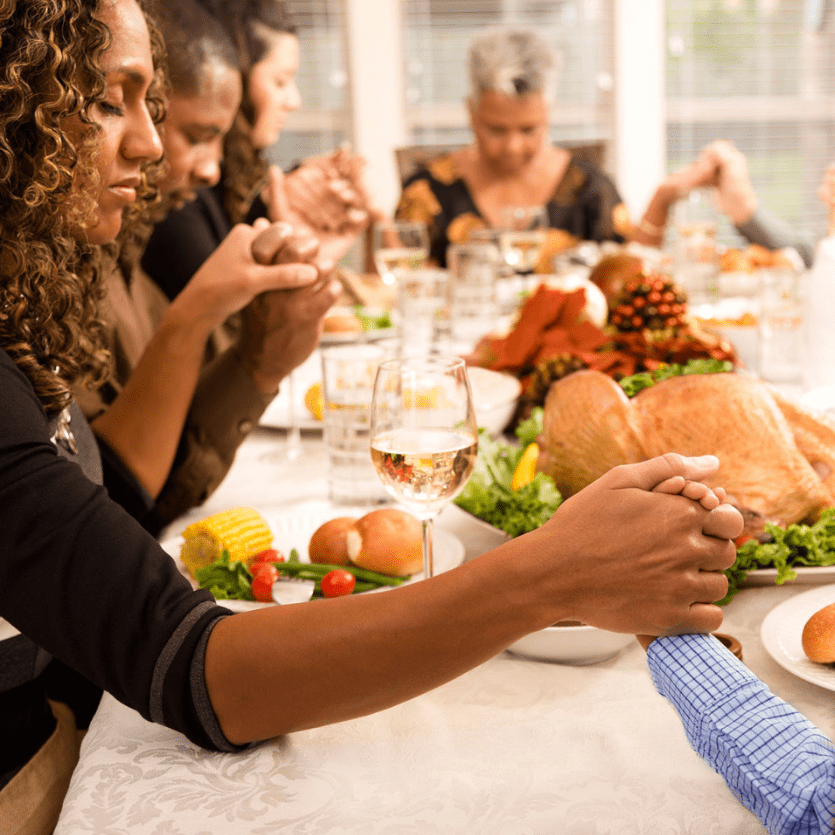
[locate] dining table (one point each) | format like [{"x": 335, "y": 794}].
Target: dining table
[{"x": 514, "y": 746}]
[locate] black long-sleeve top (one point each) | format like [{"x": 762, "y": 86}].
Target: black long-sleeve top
[{"x": 83, "y": 582}]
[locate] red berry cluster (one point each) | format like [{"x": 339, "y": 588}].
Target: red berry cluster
[{"x": 649, "y": 302}]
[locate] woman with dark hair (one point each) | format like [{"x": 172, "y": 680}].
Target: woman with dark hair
[
  {"x": 324, "y": 196},
  {"x": 178, "y": 432}
]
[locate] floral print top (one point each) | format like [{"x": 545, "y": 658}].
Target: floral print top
[{"x": 585, "y": 206}]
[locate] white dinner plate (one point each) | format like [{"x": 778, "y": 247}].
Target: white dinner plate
[
  {"x": 337, "y": 338},
  {"x": 781, "y": 635},
  {"x": 294, "y": 529}
]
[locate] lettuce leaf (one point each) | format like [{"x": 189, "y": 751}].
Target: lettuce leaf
[
  {"x": 489, "y": 495},
  {"x": 700, "y": 365},
  {"x": 226, "y": 580},
  {"x": 798, "y": 544}
]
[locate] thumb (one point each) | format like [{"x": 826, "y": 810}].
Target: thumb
[
  {"x": 278, "y": 205},
  {"x": 646, "y": 475}
]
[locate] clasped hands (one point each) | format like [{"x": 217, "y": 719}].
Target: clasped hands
[{"x": 644, "y": 548}]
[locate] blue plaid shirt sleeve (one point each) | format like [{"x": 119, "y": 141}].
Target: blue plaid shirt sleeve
[{"x": 776, "y": 762}]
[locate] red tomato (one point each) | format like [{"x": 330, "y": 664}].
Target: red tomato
[
  {"x": 262, "y": 583},
  {"x": 264, "y": 558},
  {"x": 337, "y": 583},
  {"x": 741, "y": 539}
]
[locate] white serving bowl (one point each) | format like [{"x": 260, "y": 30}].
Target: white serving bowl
[
  {"x": 578, "y": 645},
  {"x": 495, "y": 396}
]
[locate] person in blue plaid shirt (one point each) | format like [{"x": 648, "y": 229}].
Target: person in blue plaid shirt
[{"x": 774, "y": 760}]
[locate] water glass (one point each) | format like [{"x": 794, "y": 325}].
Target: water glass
[
  {"x": 471, "y": 291},
  {"x": 348, "y": 373},
  {"x": 781, "y": 334},
  {"x": 422, "y": 310}
]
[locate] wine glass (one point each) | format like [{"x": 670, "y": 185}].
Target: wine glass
[
  {"x": 522, "y": 235},
  {"x": 424, "y": 435},
  {"x": 399, "y": 245}
]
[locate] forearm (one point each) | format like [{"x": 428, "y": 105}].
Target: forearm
[
  {"x": 650, "y": 230},
  {"x": 372, "y": 650},
  {"x": 144, "y": 423},
  {"x": 775, "y": 761},
  {"x": 226, "y": 406},
  {"x": 764, "y": 228}
]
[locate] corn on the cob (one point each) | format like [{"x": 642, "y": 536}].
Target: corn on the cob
[{"x": 241, "y": 531}]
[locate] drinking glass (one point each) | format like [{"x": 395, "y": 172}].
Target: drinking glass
[
  {"x": 424, "y": 435},
  {"x": 399, "y": 245},
  {"x": 522, "y": 232}
]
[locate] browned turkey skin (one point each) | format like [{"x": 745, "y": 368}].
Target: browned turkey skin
[{"x": 777, "y": 460}]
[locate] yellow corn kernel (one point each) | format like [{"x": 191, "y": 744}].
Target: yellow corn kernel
[
  {"x": 241, "y": 530},
  {"x": 526, "y": 468}
]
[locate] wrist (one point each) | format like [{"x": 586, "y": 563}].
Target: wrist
[
  {"x": 743, "y": 211},
  {"x": 266, "y": 382}
]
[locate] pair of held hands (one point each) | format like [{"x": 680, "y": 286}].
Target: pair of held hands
[
  {"x": 722, "y": 166},
  {"x": 644, "y": 548},
  {"x": 280, "y": 272}
]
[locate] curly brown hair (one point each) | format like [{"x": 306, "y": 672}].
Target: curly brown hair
[{"x": 50, "y": 72}]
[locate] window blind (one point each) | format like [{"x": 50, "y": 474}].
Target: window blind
[
  {"x": 436, "y": 36},
  {"x": 323, "y": 120},
  {"x": 759, "y": 73}
]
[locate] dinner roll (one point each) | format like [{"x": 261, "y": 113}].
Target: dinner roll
[
  {"x": 329, "y": 543},
  {"x": 819, "y": 635},
  {"x": 389, "y": 541},
  {"x": 342, "y": 323}
]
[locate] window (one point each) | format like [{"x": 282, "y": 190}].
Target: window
[
  {"x": 437, "y": 33},
  {"x": 760, "y": 73},
  {"x": 323, "y": 121}
]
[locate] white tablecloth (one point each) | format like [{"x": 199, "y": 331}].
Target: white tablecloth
[{"x": 514, "y": 746}]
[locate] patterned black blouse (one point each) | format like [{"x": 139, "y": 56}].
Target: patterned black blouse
[{"x": 585, "y": 206}]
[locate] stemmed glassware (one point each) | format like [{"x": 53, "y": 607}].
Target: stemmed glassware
[
  {"x": 399, "y": 245},
  {"x": 522, "y": 232},
  {"x": 424, "y": 435}
]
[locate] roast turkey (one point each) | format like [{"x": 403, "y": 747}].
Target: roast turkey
[{"x": 777, "y": 461}]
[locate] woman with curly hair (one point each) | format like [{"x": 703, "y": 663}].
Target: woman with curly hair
[
  {"x": 325, "y": 196},
  {"x": 80, "y": 102}
]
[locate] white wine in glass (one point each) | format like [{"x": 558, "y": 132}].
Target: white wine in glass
[
  {"x": 424, "y": 435},
  {"x": 399, "y": 245},
  {"x": 522, "y": 236}
]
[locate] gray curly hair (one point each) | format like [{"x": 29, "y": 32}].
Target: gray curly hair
[{"x": 511, "y": 60}]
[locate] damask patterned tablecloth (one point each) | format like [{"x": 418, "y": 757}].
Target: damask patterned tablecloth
[{"x": 514, "y": 747}]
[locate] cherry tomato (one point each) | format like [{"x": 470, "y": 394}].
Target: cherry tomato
[
  {"x": 262, "y": 583},
  {"x": 742, "y": 539},
  {"x": 337, "y": 583},
  {"x": 264, "y": 558}
]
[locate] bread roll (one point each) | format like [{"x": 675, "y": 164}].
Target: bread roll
[
  {"x": 342, "y": 323},
  {"x": 329, "y": 543},
  {"x": 819, "y": 636},
  {"x": 389, "y": 541}
]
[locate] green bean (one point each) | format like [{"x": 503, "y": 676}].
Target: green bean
[{"x": 313, "y": 571}]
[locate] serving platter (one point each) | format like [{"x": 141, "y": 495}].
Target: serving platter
[
  {"x": 293, "y": 529},
  {"x": 807, "y": 575},
  {"x": 781, "y": 633}
]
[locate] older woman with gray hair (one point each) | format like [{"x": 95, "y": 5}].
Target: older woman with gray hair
[{"x": 511, "y": 162}]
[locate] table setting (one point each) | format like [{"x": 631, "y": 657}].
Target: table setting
[{"x": 562, "y": 732}]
